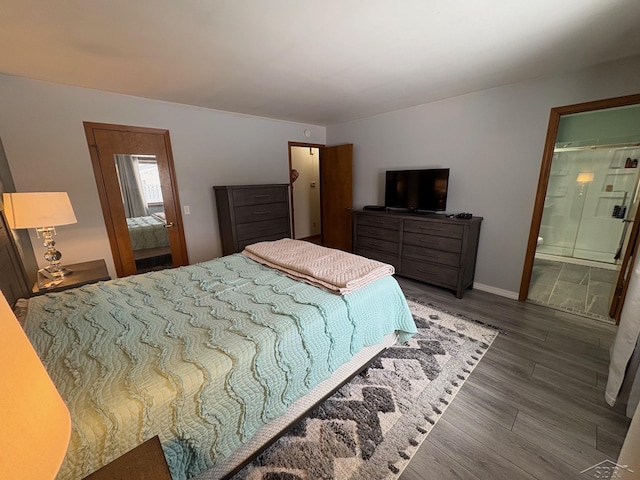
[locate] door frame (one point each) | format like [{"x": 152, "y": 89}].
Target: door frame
[
  {"x": 307, "y": 145},
  {"x": 89, "y": 127},
  {"x": 545, "y": 170}
]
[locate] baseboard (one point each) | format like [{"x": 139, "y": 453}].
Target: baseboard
[{"x": 496, "y": 291}]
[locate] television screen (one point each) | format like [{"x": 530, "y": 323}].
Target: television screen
[{"x": 424, "y": 190}]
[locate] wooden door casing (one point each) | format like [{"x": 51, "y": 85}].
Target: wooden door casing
[
  {"x": 106, "y": 140},
  {"x": 543, "y": 180}
]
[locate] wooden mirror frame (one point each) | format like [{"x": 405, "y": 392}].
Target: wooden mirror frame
[{"x": 545, "y": 170}]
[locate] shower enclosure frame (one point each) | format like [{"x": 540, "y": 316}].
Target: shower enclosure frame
[{"x": 543, "y": 181}]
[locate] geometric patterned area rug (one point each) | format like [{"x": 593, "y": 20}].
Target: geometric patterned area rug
[{"x": 371, "y": 428}]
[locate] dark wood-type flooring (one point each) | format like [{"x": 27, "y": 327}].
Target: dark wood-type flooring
[{"x": 534, "y": 406}]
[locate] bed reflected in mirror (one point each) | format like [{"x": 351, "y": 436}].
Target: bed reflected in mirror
[{"x": 141, "y": 190}]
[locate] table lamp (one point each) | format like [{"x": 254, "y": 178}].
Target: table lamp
[
  {"x": 43, "y": 211},
  {"x": 35, "y": 425}
]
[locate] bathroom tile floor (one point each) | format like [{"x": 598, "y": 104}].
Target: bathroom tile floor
[{"x": 575, "y": 288}]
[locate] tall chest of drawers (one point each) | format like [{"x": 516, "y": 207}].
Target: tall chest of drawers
[
  {"x": 252, "y": 213},
  {"x": 430, "y": 248}
]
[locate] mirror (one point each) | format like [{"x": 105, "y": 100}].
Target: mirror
[
  {"x": 141, "y": 191},
  {"x": 587, "y": 202}
]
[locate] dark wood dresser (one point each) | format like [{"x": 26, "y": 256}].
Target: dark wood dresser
[
  {"x": 252, "y": 213},
  {"x": 431, "y": 248}
]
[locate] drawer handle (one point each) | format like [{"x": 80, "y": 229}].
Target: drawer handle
[
  {"x": 262, "y": 196},
  {"x": 263, "y": 228},
  {"x": 263, "y": 212}
]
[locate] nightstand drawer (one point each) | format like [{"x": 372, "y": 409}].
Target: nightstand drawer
[{"x": 145, "y": 462}]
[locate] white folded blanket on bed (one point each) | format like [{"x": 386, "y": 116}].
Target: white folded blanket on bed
[{"x": 335, "y": 270}]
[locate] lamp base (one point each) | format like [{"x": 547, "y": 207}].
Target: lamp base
[{"x": 51, "y": 274}]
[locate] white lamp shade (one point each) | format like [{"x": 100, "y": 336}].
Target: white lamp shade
[
  {"x": 35, "y": 425},
  {"x": 38, "y": 209}
]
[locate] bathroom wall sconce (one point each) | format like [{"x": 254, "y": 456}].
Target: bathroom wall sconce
[{"x": 585, "y": 177}]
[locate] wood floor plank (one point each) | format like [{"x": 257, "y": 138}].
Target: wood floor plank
[
  {"x": 575, "y": 405},
  {"x": 576, "y": 346},
  {"x": 437, "y": 463},
  {"x": 577, "y": 454},
  {"x": 541, "y": 381},
  {"x": 473, "y": 455},
  {"x": 517, "y": 449},
  {"x": 491, "y": 407},
  {"x": 570, "y": 384},
  {"x": 539, "y": 354},
  {"x": 602, "y": 381},
  {"x": 608, "y": 443},
  {"x": 581, "y": 429}
]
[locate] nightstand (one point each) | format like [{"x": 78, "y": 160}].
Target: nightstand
[
  {"x": 145, "y": 462},
  {"x": 81, "y": 274}
]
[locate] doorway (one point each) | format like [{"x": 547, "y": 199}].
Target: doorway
[
  {"x": 580, "y": 244},
  {"x": 305, "y": 194},
  {"x": 334, "y": 187},
  {"x": 134, "y": 173}
]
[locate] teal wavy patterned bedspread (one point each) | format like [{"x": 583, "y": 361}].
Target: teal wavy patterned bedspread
[
  {"x": 202, "y": 356},
  {"x": 147, "y": 232}
]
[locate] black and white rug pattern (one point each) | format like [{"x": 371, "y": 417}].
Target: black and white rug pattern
[{"x": 371, "y": 428}]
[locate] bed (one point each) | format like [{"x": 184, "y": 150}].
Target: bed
[{"x": 214, "y": 358}]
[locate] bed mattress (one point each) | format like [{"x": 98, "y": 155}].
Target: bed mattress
[{"x": 203, "y": 356}]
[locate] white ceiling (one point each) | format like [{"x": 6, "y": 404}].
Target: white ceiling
[{"x": 321, "y": 62}]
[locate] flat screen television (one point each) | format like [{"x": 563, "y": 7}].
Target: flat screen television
[{"x": 417, "y": 190}]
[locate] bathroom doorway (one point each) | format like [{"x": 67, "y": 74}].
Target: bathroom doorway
[
  {"x": 586, "y": 206},
  {"x": 305, "y": 193}
]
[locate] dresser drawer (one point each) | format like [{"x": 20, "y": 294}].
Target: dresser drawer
[
  {"x": 380, "y": 233},
  {"x": 379, "y": 256},
  {"x": 257, "y": 213},
  {"x": 265, "y": 238},
  {"x": 434, "y": 228},
  {"x": 433, "y": 241},
  {"x": 248, "y": 231},
  {"x": 377, "y": 244},
  {"x": 258, "y": 196},
  {"x": 429, "y": 272},
  {"x": 430, "y": 255},
  {"x": 379, "y": 221}
]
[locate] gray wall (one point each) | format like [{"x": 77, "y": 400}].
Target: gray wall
[
  {"x": 41, "y": 127},
  {"x": 492, "y": 141}
]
